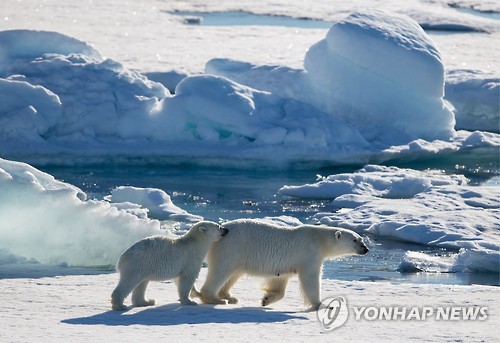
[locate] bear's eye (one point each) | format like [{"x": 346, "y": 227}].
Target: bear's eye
[{"x": 354, "y": 240}]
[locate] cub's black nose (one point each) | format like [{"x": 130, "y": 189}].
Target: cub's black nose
[
  {"x": 224, "y": 232},
  {"x": 365, "y": 251}
]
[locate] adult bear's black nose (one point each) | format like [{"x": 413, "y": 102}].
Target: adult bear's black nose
[
  {"x": 224, "y": 231},
  {"x": 365, "y": 250}
]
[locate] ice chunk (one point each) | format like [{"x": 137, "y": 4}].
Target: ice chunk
[
  {"x": 227, "y": 114},
  {"x": 383, "y": 74},
  {"x": 475, "y": 99},
  {"x": 157, "y": 201},
  {"x": 280, "y": 80},
  {"x": 169, "y": 79},
  {"x": 467, "y": 260},
  {"x": 98, "y": 98},
  {"x": 27, "y": 110},
  {"x": 29, "y": 44}
]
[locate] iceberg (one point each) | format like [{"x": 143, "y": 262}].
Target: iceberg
[
  {"x": 381, "y": 71},
  {"x": 371, "y": 91}
]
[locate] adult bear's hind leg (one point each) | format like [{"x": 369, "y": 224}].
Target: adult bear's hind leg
[
  {"x": 224, "y": 291},
  {"x": 216, "y": 278},
  {"x": 275, "y": 290}
]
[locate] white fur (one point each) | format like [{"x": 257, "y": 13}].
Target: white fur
[
  {"x": 275, "y": 253},
  {"x": 160, "y": 258}
]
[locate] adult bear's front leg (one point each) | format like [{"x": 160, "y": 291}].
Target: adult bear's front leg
[
  {"x": 275, "y": 290},
  {"x": 310, "y": 283}
]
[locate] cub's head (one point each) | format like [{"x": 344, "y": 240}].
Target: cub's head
[
  {"x": 347, "y": 242},
  {"x": 210, "y": 230}
]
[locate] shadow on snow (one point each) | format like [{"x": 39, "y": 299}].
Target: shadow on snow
[{"x": 174, "y": 314}]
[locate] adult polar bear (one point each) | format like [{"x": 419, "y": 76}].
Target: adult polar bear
[{"x": 261, "y": 248}]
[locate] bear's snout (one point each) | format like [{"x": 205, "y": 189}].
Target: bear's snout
[
  {"x": 364, "y": 250},
  {"x": 224, "y": 231}
]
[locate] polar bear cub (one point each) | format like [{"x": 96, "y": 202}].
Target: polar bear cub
[
  {"x": 276, "y": 253},
  {"x": 160, "y": 258}
]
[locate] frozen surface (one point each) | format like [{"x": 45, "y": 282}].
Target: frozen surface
[
  {"x": 48, "y": 221},
  {"x": 156, "y": 201},
  {"x": 80, "y": 312},
  {"x": 163, "y": 42}
]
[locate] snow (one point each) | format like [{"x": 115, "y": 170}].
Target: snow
[
  {"x": 62, "y": 228},
  {"x": 156, "y": 201},
  {"x": 80, "y": 311}
]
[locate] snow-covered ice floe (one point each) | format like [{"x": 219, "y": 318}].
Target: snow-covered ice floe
[
  {"x": 371, "y": 91},
  {"x": 48, "y": 221},
  {"x": 417, "y": 207},
  {"x": 466, "y": 260},
  {"x": 370, "y": 182}
]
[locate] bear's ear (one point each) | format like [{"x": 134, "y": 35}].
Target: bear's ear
[{"x": 338, "y": 234}]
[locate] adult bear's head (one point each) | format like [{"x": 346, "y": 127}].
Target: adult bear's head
[{"x": 347, "y": 242}]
